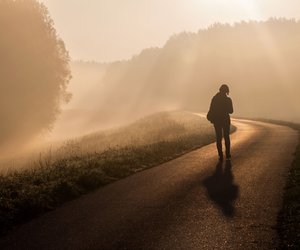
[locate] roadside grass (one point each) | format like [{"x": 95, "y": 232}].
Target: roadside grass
[
  {"x": 87, "y": 163},
  {"x": 288, "y": 226}
]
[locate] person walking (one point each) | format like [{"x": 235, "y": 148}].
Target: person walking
[{"x": 218, "y": 114}]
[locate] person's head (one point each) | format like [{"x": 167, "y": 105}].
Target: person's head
[{"x": 224, "y": 89}]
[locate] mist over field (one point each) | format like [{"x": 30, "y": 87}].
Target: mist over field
[
  {"x": 80, "y": 115},
  {"x": 258, "y": 60}
]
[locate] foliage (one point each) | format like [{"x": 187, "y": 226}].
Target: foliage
[{"x": 34, "y": 70}]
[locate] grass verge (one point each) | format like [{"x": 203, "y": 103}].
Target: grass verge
[
  {"x": 288, "y": 226},
  {"x": 149, "y": 142}
]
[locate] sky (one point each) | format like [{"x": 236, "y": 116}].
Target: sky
[{"x": 110, "y": 30}]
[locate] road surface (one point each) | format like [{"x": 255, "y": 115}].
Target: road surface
[{"x": 188, "y": 203}]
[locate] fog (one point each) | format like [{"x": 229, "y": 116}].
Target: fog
[
  {"x": 257, "y": 59},
  {"x": 80, "y": 116}
]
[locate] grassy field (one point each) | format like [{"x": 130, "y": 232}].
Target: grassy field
[{"x": 87, "y": 163}]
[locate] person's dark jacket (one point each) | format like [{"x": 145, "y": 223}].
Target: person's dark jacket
[{"x": 220, "y": 108}]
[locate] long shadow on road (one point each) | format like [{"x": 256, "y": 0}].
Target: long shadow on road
[{"x": 221, "y": 188}]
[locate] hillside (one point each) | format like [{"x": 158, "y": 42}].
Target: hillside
[
  {"x": 89, "y": 162},
  {"x": 257, "y": 59}
]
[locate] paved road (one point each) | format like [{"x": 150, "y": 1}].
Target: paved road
[{"x": 188, "y": 203}]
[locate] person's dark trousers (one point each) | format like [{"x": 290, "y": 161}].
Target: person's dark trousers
[{"x": 222, "y": 130}]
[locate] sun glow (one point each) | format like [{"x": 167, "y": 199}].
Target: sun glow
[
  {"x": 223, "y": 11},
  {"x": 249, "y": 6}
]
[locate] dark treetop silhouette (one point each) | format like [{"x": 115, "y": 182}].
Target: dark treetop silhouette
[{"x": 218, "y": 114}]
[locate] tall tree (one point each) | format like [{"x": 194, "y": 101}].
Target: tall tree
[{"x": 34, "y": 70}]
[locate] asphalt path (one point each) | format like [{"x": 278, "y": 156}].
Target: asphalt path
[{"x": 191, "y": 202}]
